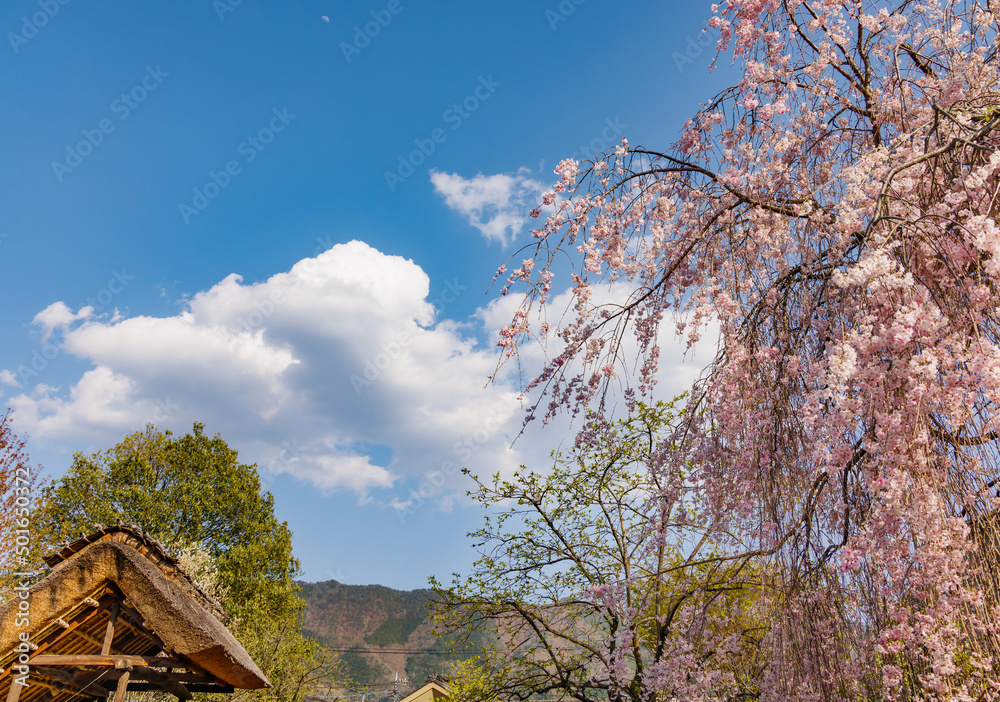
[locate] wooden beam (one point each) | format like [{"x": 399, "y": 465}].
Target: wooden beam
[
  {"x": 186, "y": 678},
  {"x": 109, "y": 635},
  {"x": 108, "y": 661},
  {"x": 147, "y": 674},
  {"x": 141, "y": 678},
  {"x": 192, "y": 667},
  {"x": 172, "y": 686}
]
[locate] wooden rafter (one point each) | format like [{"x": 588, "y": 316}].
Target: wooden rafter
[
  {"x": 153, "y": 639},
  {"x": 79, "y": 681},
  {"x": 79, "y": 616},
  {"x": 87, "y": 637}
]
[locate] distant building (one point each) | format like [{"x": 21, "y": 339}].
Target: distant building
[{"x": 430, "y": 692}]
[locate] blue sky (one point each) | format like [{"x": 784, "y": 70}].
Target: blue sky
[{"x": 282, "y": 220}]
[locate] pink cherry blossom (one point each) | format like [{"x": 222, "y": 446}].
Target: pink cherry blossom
[{"x": 834, "y": 215}]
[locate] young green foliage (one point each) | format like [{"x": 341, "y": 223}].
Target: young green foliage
[{"x": 602, "y": 575}]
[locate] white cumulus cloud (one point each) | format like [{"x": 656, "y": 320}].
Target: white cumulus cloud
[{"x": 337, "y": 372}]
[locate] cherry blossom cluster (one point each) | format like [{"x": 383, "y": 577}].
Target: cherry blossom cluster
[{"x": 834, "y": 215}]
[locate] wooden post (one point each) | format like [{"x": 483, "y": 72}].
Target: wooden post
[
  {"x": 109, "y": 635},
  {"x": 15, "y": 689},
  {"x": 122, "y": 687}
]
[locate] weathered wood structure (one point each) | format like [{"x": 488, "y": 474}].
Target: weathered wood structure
[{"x": 115, "y": 614}]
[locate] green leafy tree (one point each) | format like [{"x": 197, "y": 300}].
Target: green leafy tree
[
  {"x": 186, "y": 490},
  {"x": 604, "y": 578},
  {"x": 475, "y": 679},
  {"x": 193, "y": 494}
]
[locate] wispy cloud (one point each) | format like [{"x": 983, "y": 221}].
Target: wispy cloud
[
  {"x": 56, "y": 316},
  {"x": 496, "y": 205}
]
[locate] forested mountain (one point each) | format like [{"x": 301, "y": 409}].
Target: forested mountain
[{"x": 380, "y": 632}]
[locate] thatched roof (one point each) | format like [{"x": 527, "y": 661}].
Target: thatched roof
[
  {"x": 117, "y": 594},
  {"x": 153, "y": 550}
]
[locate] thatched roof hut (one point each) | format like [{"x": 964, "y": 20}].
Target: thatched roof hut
[{"x": 116, "y": 613}]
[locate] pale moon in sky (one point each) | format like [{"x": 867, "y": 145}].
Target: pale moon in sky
[{"x": 325, "y": 18}]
